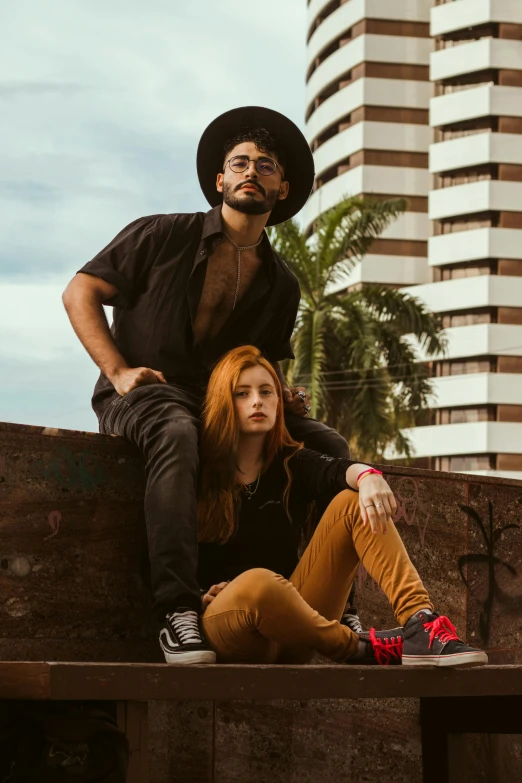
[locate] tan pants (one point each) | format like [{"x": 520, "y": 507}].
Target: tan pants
[{"x": 260, "y": 617}]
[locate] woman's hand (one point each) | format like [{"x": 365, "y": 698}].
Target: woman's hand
[
  {"x": 377, "y": 503},
  {"x": 212, "y": 593}
]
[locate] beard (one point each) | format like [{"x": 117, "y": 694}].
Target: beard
[{"x": 249, "y": 204}]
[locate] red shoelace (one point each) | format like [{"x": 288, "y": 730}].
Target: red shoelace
[
  {"x": 386, "y": 650},
  {"x": 442, "y": 628}
]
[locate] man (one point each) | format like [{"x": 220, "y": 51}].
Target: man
[{"x": 186, "y": 288}]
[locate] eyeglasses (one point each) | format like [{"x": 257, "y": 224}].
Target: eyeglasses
[{"x": 264, "y": 166}]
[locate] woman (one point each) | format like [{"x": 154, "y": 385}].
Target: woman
[{"x": 262, "y": 603}]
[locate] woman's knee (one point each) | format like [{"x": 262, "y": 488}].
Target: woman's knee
[
  {"x": 345, "y": 503},
  {"x": 254, "y": 586}
]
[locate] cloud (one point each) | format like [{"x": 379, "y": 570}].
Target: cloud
[
  {"x": 103, "y": 107},
  {"x": 47, "y": 377},
  {"x": 14, "y": 88},
  {"x": 108, "y": 106}
]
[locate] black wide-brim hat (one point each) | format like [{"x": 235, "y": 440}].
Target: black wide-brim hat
[{"x": 299, "y": 169}]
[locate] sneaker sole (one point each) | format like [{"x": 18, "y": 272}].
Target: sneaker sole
[
  {"x": 458, "y": 659},
  {"x": 188, "y": 658}
]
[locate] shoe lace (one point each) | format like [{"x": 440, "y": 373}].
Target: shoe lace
[
  {"x": 442, "y": 628},
  {"x": 386, "y": 649},
  {"x": 351, "y": 620},
  {"x": 186, "y": 627}
]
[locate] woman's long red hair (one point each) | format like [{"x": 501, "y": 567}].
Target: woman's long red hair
[{"x": 218, "y": 489}]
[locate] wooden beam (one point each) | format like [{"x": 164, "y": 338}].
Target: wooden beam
[
  {"x": 142, "y": 682},
  {"x": 24, "y": 680},
  {"x": 133, "y": 721}
]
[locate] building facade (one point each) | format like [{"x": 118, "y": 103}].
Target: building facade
[
  {"x": 461, "y": 170},
  {"x": 367, "y": 121}
]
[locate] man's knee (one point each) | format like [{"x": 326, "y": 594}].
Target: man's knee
[{"x": 174, "y": 435}]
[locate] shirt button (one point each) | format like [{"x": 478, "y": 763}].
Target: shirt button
[{"x": 202, "y": 253}]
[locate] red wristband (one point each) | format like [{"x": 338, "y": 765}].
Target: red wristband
[{"x": 368, "y": 472}]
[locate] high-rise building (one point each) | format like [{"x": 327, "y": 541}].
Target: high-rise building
[
  {"x": 475, "y": 252},
  {"x": 367, "y": 121},
  {"x": 373, "y": 66}
]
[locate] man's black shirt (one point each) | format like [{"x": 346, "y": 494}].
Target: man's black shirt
[
  {"x": 158, "y": 264},
  {"x": 266, "y": 537}
]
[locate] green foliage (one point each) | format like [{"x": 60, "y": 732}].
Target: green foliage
[{"x": 354, "y": 350}]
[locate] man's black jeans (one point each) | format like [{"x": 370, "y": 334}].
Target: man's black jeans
[{"x": 163, "y": 421}]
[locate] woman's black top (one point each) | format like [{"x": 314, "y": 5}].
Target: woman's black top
[{"x": 265, "y": 535}]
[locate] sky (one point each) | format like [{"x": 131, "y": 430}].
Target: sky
[{"x": 102, "y": 104}]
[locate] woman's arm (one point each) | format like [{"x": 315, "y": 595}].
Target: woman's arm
[{"x": 376, "y": 500}]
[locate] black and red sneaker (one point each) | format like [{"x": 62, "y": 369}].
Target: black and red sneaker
[
  {"x": 383, "y": 648},
  {"x": 431, "y": 639}
]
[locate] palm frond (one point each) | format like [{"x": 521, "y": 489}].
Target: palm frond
[
  {"x": 348, "y": 230},
  {"x": 291, "y": 245},
  {"x": 309, "y": 349},
  {"x": 356, "y": 352},
  {"x": 409, "y": 316}
]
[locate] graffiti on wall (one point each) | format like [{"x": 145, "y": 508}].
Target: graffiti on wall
[
  {"x": 489, "y": 560},
  {"x": 80, "y": 470},
  {"x": 406, "y": 494}
]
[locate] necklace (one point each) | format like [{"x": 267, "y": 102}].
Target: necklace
[
  {"x": 251, "y": 492},
  {"x": 239, "y": 248}
]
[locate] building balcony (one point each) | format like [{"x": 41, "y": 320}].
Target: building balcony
[
  {"x": 483, "y": 101},
  {"x": 482, "y": 196},
  {"x": 474, "y": 245},
  {"x": 393, "y": 136},
  {"x": 368, "y": 48},
  {"x": 474, "y": 56},
  {"x": 368, "y": 91},
  {"x": 469, "y": 151},
  {"x": 385, "y": 270},
  {"x": 476, "y": 389},
  {"x": 477, "y": 437},
  {"x": 471, "y": 13},
  {"x": 355, "y": 11},
  {"x": 392, "y": 180},
  {"x": 466, "y": 342},
  {"x": 470, "y": 293}
]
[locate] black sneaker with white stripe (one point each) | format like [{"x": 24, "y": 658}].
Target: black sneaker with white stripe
[
  {"x": 182, "y": 641},
  {"x": 351, "y": 619}
]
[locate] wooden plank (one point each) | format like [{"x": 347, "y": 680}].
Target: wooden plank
[
  {"x": 457, "y": 758},
  {"x": 24, "y": 680},
  {"x": 133, "y": 721},
  {"x": 137, "y": 733},
  {"x": 445, "y": 722},
  {"x": 142, "y": 682},
  {"x": 434, "y": 740},
  {"x": 477, "y": 714}
]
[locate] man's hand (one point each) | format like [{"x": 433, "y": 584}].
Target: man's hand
[
  {"x": 129, "y": 378},
  {"x": 297, "y": 401},
  {"x": 212, "y": 593},
  {"x": 377, "y": 503}
]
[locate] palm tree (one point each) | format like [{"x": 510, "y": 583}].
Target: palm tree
[{"x": 354, "y": 351}]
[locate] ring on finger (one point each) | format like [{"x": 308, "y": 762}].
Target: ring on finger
[
  {"x": 307, "y": 408},
  {"x": 302, "y": 395},
  {"x": 379, "y": 504},
  {"x": 370, "y": 505}
]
